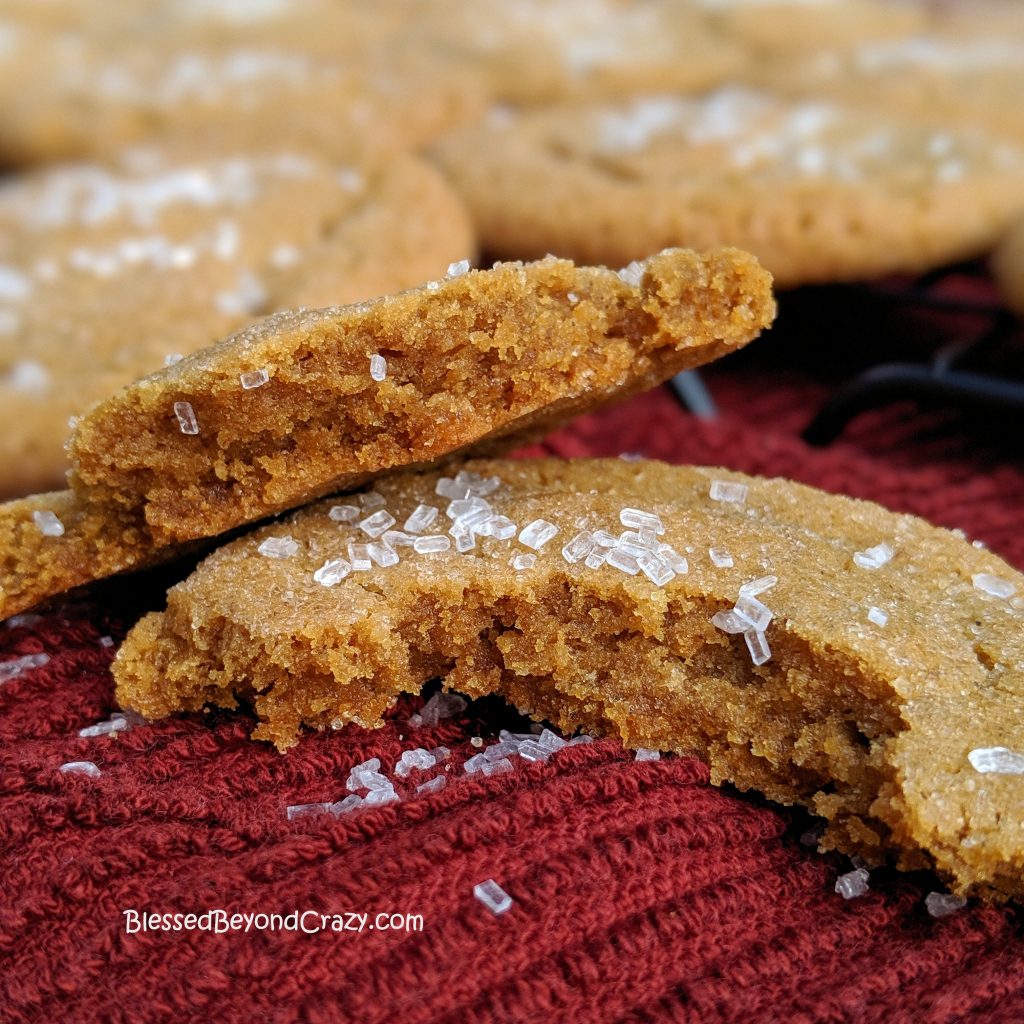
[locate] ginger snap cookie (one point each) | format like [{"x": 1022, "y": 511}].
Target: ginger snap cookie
[
  {"x": 960, "y": 76},
  {"x": 108, "y": 271},
  {"x": 312, "y": 402},
  {"x": 89, "y": 93},
  {"x": 821, "y": 650},
  {"x": 818, "y": 191},
  {"x": 537, "y": 51},
  {"x": 1008, "y": 268}
]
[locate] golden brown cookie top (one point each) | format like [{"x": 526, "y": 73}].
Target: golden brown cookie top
[{"x": 748, "y": 604}]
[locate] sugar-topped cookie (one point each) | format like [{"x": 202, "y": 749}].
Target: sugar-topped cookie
[
  {"x": 819, "y": 191},
  {"x": 821, "y": 650},
  {"x": 107, "y": 271},
  {"x": 312, "y": 402}
]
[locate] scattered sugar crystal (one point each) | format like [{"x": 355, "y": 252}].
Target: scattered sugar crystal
[
  {"x": 852, "y": 884},
  {"x": 631, "y": 544},
  {"x": 253, "y": 379},
  {"x": 332, "y": 572},
  {"x": 474, "y": 764},
  {"x": 380, "y": 798},
  {"x": 758, "y": 586},
  {"x": 431, "y": 544},
  {"x": 531, "y": 750},
  {"x": 458, "y": 268},
  {"x": 942, "y": 904},
  {"x": 24, "y": 619},
  {"x": 48, "y": 524},
  {"x": 727, "y": 490},
  {"x": 656, "y": 569},
  {"x": 377, "y": 523},
  {"x": 441, "y": 753},
  {"x": 383, "y": 555},
  {"x": 730, "y": 622},
  {"x": 997, "y": 760},
  {"x": 370, "y": 500},
  {"x": 432, "y": 286},
  {"x": 994, "y": 585},
  {"x": 441, "y": 705},
  {"x": 496, "y": 767},
  {"x": 643, "y": 754},
  {"x": 448, "y": 488},
  {"x": 499, "y": 527},
  {"x": 582, "y": 738},
  {"x": 398, "y": 539},
  {"x": 623, "y": 561},
  {"x": 633, "y": 273},
  {"x": 873, "y": 558},
  {"x": 639, "y": 520},
  {"x": 673, "y": 559},
  {"x": 80, "y": 768},
  {"x": 278, "y": 547},
  {"x": 877, "y": 616},
  {"x": 755, "y": 613},
  {"x": 378, "y": 367},
  {"x": 302, "y": 810},
  {"x": 579, "y": 547},
  {"x": 422, "y": 518},
  {"x": 116, "y": 723},
  {"x": 493, "y": 897},
  {"x": 536, "y": 534},
  {"x": 187, "y": 422},
  {"x": 470, "y": 510},
  {"x": 522, "y": 562},
  {"x": 551, "y": 740},
  {"x": 757, "y": 644},
  {"x": 106, "y": 641},
  {"x": 350, "y": 803},
  {"x": 596, "y": 558},
  {"x": 476, "y": 484},
  {"x": 359, "y": 556},
  {"x": 721, "y": 558},
  {"x": 417, "y": 758},
  {"x": 605, "y": 539},
  {"x": 344, "y": 513},
  {"x": 432, "y": 786},
  {"x": 12, "y": 669},
  {"x": 465, "y": 540}
]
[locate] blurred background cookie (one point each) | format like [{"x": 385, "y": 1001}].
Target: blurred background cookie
[{"x": 109, "y": 270}]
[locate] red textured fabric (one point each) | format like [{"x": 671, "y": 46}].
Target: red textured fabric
[{"x": 640, "y": 892}]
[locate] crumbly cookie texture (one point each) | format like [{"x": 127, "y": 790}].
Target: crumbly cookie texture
[
  {"x": 821, "y": 650},
  {"x": 109, "y": 270},
  {"x": 1008, "y": 268},
  {"x": 309, "y": 403},
  {"x": 818, "y": 191}
]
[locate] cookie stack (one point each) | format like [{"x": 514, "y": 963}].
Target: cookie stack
[{"x": 237, "y": 250}]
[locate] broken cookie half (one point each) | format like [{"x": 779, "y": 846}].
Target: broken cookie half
[
  {"x": 821, "y": 650},
  {"x": 312, "y": 402}
]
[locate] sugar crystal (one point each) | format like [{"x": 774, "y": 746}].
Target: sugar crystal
[
  {"x": 382, "y": 554},
  {"x": 432, "y": 786},
  {"x": 755, "y": 613},
  {"x": 730, "y": 622},
  {"x": 536, "y": 534},
  {"x": 596, "y": 558},
  {"x": 523, "y": 561},
  {"x": 301, "y": 810},
  {"x": 48, "y": 524},
  {"x": 942, "y": 904},
  {"x": 658, "y": 571},
  {"x": 422, "y": 518},
  {"x": 674, "y": 560},
  {"x": 380, "y": 798},
  {"x": 877, "y": 616},
  {"x": 458, "y": 269},
  {"x": 278, "y": 547},
  {"x": 253, "y": 379},
  {"x": 758, "y": 586},
  {"x": 757, "y": 644},
  {"x": 398, "y": 539},
  {"x": 994, "y": 585},
  {"x": 728, "y": 490},
  {"x": 623, "y": 560},
  {"x": 80, "y": 768},
  {"x": 431, "y": 544},
  {"x": 377, "y": 523},
  {"x": 493, "y": 897},
  {"x": 378, "y": 367},
  {"x": 721, "y": 558},
  {"x": 441, "y": 705},
  {"x": 996, "y": 760},
  {"x": 640, "y": 520},
  {"x": 350, "y": 803},
  {"x": 643, "y": 754},
  {"x": 359, "y": 556},
  {"x": 187, "y": 422},
  {"x": 333, "y": 571},
  {"x": 852, "y": 884},
  {"x": 371, "y": 499},
  {"x": 417, "y": 758},
  {"x": 873, "y": 558},
  {"x": 633, "y": 273},
  {"x": 15, "y": 667},
  {"x": 343, "y": 513},
  {"x": 496, "y": 767},
  {"x": 579, "y": 547}
]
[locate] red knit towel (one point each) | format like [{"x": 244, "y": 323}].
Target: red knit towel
[{"x": 640, "y": 893}]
